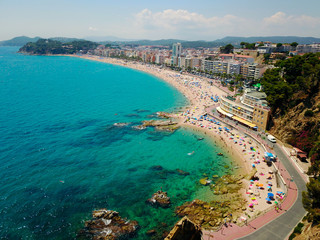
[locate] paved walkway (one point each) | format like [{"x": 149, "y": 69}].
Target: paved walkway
[{"x": 273, "y": 224}]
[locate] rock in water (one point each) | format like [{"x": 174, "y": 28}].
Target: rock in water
[
  {"x": 108, "y": 225},
  {"x": 181, "y": 172},
  {"x": 160, "y": 199},
  {"x": 156, "y": 168}
]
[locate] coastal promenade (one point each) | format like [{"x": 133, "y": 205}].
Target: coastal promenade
[{"x": 273, "y": 224}]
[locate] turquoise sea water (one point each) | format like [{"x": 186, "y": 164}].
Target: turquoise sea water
[{"x": 61, "y": 156}]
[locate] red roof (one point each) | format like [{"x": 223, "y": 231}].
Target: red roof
[{"x": 298, "y": 151}]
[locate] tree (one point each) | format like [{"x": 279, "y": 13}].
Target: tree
[
  {"x": 311, "y": 200},
  {"x": 294, "y": 44},
  {"x": 279, "y": 45},
  {"x": 251, "y": 46},
  {"x": 242, "y": 44},
  {"x": 227, "y": 49}
]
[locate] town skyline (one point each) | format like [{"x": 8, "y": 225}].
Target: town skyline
[{"x": 124, "y": 19}]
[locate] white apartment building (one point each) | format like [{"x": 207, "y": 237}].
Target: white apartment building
[{"x": 228, "y": 67}]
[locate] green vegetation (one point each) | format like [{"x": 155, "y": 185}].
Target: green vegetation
[
  {"x": 227, "y": 49},
  {"x": 308, "y": 113},
  {"x": 296, "y": 81},
  {"x": 48, "y": 46},
  {"x": 296, "y": 230},
  {"x": 294, "y": 44},
  {"x": 248, "y": 45},
  {"x": 311, "y": 200},
  {"x": 291, "y": 76}
]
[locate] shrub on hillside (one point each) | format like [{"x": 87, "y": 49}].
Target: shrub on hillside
[{"x": 308, "y": 113}]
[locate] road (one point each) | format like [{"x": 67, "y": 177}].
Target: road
[{"x": 283, "y": 225}]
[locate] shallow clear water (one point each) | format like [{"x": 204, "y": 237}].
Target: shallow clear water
[{"x": 61, "y": 157}]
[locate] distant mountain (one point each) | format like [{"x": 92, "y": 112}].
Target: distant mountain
[
  {"x": 107, "y": 39},
  {"x": 18, "y": 41},
  {"x": 162, "y": 42},
  {"x": 274, "y": 39},
  {"x": 21, "y": 41},
  {"x": 65, "y": 39}
]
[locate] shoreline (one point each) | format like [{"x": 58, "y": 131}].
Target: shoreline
[
  {"x": 220, "y": 141},
  {"x": 199, "y": 92}
]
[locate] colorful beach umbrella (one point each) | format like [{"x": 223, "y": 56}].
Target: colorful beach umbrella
[{"x": 270, "y": 195}]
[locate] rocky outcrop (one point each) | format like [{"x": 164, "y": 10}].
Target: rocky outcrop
[
  {"x": 181, "y": 172},
  {"x": 294, "y": 122},
  {"x": 159, "y": 199},
  {"x": 211, "y": 215},
  {"x": 309, "y": 232},
  {"x": 108, "y": 225},
  {"x": 164, "y": 115},
  {"x": 167, "y": 125},
  {"x": 156, "y": 168}
]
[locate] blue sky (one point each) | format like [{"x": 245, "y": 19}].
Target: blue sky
[{"x": 141, "y": 19}]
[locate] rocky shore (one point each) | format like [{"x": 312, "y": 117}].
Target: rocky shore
[
  {"x": 211, "y": 215},
  {"x": 108, "y": 225},
  {"x": 159, "y": 199},
  {"x": 167, "y": 125}
]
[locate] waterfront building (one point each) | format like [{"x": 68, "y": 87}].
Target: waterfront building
[
  {"x": 176, "y": 53},
  {"x": 228, "y": 67},
  {"x": 234, "y": 68},
  {"x": 252, "y": 71},
  {"x": 252, "y": 109},
  {"x": 215, "y": 66},
  {"x": 182, "y": 62}
]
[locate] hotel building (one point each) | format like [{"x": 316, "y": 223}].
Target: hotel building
[{"x": 251, "y": 110}]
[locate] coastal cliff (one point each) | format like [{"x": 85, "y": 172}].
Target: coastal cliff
[
  {"x": 293, "y": 93},
  {"x": 293, "y": 89},
  {"x": 296, "y": 121}
]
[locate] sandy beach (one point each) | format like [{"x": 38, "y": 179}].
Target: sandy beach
[{"x": 246, "y": 153}]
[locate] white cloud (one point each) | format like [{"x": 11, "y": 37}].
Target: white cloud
[
  {"x": 184, "y": 24},
  {"x": 277, "y": 18},
  {"x": 281, "y": 18},
  {"x": 93, "y": 29},
  {"x": 283, "y": 24},
  {"x": 180, "y": 21}
]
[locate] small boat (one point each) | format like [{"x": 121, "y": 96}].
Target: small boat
[
  {"x": 191, "y": 153},
  {"x": 220, "y": 154}
]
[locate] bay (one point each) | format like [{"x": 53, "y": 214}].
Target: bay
[{"x": 61, "y": 156}]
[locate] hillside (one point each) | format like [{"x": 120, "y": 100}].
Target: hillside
[
  {"x": 18, "y": 41},
  {"x": 48, "y": 46},
  {"x": 293, "y": 91}
]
